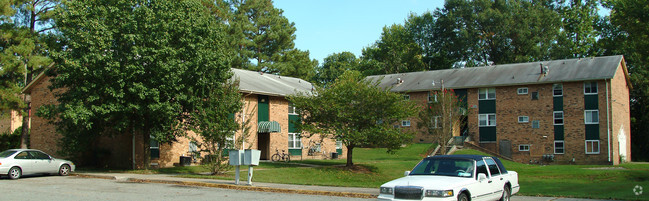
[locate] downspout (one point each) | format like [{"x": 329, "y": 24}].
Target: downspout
[
  {"x": 133, "y": 149},
  {"x": 608, "y": 129}
]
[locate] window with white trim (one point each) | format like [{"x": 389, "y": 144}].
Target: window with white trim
[
  {"x": 592, "y": 146},
  {"x": 524, "y": 147},
  {"x": 435, "y": 122},
  {"x": 557, "y": 90},
  {"x": 487, "y": 120},
  {"x": 591, "y": 116},
  {"x": 590, "y": 87},
  {"x": 432, "y": 97},
  {"x": 294, "y": 141},
  {"x": 558, "y": 117},
  {"x": 406, "y": 97},
  {"x": 522, "y": 90},
  {"x": 486, "y": 93},
  {"x": 405, "y": 123},
  {"x": 523, "y": 119},
  {"x": 292, "y": 109},
  {"x": 559, "y": 147},
  {"x": 536, "y": 124},
  {"x": 154, "y": 147}
]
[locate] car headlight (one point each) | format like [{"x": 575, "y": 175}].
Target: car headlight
[
  {"x": 438, "y": 193},
  {"x": 386, "y": 190}
]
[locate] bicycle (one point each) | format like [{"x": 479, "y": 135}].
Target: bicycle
[{"x": 281, "y": 157}]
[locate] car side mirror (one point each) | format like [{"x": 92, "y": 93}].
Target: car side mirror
[
  {"x": 482, "y": 177},
  {"x": 406, "y": 173}
]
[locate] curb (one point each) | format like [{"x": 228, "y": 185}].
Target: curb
[{"x": 234, "y": 187}]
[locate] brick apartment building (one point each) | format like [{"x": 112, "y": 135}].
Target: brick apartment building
[
  {"x": 10, "y": 120},
  {"x": 264, "y": 102},
  {"x": 573, "y": 111}
]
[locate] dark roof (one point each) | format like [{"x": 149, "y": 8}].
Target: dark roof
[{"x": 567, "y": 70}]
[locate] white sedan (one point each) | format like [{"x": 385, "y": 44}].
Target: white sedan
[
  {"x": 18, "y": 162},
  {"x": 454, "y": 177}
]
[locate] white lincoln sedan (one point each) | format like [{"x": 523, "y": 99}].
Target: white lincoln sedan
[{"x": 18, "y": 162}]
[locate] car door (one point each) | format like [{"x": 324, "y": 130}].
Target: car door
[
  {"x": 498, "y": 182},
  {"x": 481, "y": 189},
  {"x": 26, "y": 162},
  {"x": 43, "y": 163}
]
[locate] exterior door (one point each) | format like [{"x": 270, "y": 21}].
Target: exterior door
[
  {"x": 263, "y": 144},
  {"x": 506, "y": 148},
  {"x": 26, "y": 162}
]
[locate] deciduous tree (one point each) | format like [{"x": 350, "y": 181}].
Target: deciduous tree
[{"x": 335, "y": 65}]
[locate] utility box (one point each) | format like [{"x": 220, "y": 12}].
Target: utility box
[
  {"x": 251, "y": 157},
  {"x": 334, "y": 155},
  {"x": 236, "y": 157},
  {"x": 185, "y": 161}
]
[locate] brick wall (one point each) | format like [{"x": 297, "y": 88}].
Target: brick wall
[
  {"x": 620, "y": 116},
  {"x": 43, "y": 135}
]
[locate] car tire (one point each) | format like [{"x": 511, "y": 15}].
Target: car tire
[
  {"x": 506, "y": 194},
  {"x": 64, "y": 170},
  {"x": 15, "y": 173},
  {"x": 462, "y": 197}
]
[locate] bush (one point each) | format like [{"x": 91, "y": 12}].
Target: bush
[{"x": 9, "y": 140}]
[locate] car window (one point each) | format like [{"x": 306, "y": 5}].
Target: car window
[
  {"x": 7, "y": 153},
  {"x": 39, "y": 155},
  {"x": 444, "y": 167},
  {"x": 481, "y": 168},
  {"x": 23, "y": 155},
  {"x": 493, "y": 167}
]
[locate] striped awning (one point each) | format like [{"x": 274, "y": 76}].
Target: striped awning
[{"x": 268, "y": 127}]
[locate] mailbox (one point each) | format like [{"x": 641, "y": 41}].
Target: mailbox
[
  {"x": 251, "y": 157},
  {"x": 236, "y": 157}
]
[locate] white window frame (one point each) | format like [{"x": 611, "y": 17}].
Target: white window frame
[
  {"x": 489, "y": 122},
  {"x": 292, "y": 109},
  {"x": 554, "y": 117},
  {"x": 586, "y": 112},
  {"x": 537, "y": 122},
  {"x": 590, "y": 84},
  {"x": 591, "y": 150},
  {"x": 522, "y": 90},
  {"x": 339, "y": 144},
  {"x": 521, "y": 147},
  {"x": 294, "y": 141},
  {"x": 405, "y": 123},
  {"x": 432, "y": 97},
  {"x": 554, "y": 89},
  {"x": 485, "y": 92},
  {"x": 406, "y": 96},
  {"x": 563, "y": 147},
  {"x": 435, "y": 121},
  {"x": 523, "y": 119}
]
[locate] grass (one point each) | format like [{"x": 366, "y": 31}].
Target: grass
[{"x": 375, "y": 167}]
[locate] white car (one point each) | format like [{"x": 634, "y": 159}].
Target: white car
[
  {"x": 18, "y": 162},
  {"x": 454, "y": 177}
]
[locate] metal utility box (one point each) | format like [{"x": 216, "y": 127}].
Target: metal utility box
[
  {"x": 334, "y": 155},
  {"x": 185, "y": 161},
  {"x": 236, "y": 157},
  {"x": 251, "y": 157}
]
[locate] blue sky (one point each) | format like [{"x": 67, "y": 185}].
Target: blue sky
[{"x": 325, "y": 27}]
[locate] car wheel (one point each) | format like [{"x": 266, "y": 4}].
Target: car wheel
[
  {"x": 506, "y": 194},
  {"x": 15, "y": 173},
  {"x": 462, "y": 197},
  {"x": 64, "y": 170}
]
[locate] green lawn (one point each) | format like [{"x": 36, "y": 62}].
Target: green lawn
[{"x": 376, "y": 167}]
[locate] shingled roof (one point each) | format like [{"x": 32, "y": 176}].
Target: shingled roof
[
  {"x": 269, "y": 84},
  {"x": 568, "y": 70}
]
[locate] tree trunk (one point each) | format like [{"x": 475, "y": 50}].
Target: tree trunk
[
  {"x": 146, "y": 145},
  {"x": 350, "y": 153}
]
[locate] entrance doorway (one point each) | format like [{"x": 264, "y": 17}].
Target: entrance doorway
[{"x": 263, "y": 144}]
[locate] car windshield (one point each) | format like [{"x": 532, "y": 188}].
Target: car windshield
[
  {"x": 444, "y": 167},
  {"x": 7, "y": 153}
]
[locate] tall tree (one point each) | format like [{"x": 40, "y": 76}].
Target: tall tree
[
  {"x": 134, "y": 67},
  {"x": 23, "y": 49},
  {"x": 628, "y": 34},
  {"x": 357, "y": 112},
  {"x": 295, "y": 63},
  {"x": 578, "y": 34},
  {"x": 424, "y": 30},
  {"x": 335, "y": 65},
  {"x": 395, "y": 52}
]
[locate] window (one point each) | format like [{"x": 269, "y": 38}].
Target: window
[
  {"x": 592, "y": 146},
  {"x": 405, "y": 123},
  {"x": 591, "y": 117},
  {"x": 590, "y": 87},
  {"x": 481, "y": 168},
  {"x": 487, "y": 120},
  {"x": 524, "y": 147},
  {"x": 522, "y": 90},
  {"x": 558, "y": 118},
  {"x": 406, "y": 97},
  {"x": 523, "y": 119},
  {"x": 154, "y": 147},
  {"x": 294, "y": 141},
  {"x": 536, "y": 124},
  {"x": 292, "y": 109},
  {"x": 535, "y": 95},
  {"x": 493, "y": 167},
  {"x": 557, "y": 90},
  {"x": 559, "y": 147},
  {"x": 435, "y": 122},
  {"x": 487, "y": 94},
  {"x": 432, "y": 97},
  {"x": 339, "y": 144},
  {"x": 192, "y": 147}
]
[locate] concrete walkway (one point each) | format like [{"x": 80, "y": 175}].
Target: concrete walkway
[{"x": 268, "y": 187}]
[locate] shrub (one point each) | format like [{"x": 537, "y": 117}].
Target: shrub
[{"x": 9, "y": 140}]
